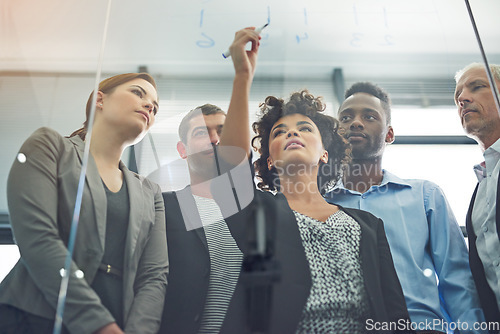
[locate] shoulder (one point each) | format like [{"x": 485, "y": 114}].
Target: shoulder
[
  {"x": 168, "y": 195},
  {"x": 46, "y": 135},
  {"x": 174, "y": 199},
  {"x": 45, "y": 142},
  {"x": 271, "y": 199},
  {"x": 424, "y": 190},
  {"x": 421, "y": 184},
  {"x": 268, "y": 194},
  {"x": 170, "y": 198},
  {"x": 409, "y": 184},
  {"x": 361, "y": 216},
  {"x": 147, "y": 183},
  {"x": 430, "y": 191}
]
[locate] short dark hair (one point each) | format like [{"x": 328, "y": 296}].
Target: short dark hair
[
  {"x": 206, "y": 109},
  {"x": 374, "y": 90},
  {"x": 301, "y": 102}
]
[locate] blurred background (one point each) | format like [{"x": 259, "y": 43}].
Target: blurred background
[{"x": 49, "y": 56}]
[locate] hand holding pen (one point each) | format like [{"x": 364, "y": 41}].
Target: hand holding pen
[
  {"x": 236, "y": 132},
  {"x": 227, "y": 54},
  {"x": 245, "y": 61}
]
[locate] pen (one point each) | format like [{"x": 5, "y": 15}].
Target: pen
[{"x": 227, "y": 54}]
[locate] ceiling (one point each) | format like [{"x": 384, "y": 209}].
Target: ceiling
[
  {"x": 366, "y": 38},
  {"x": 411, "y": 48}
]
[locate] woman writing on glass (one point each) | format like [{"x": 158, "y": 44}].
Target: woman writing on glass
[
  {"x": 118, "y": 274},
  {"x": 335, "y": 266}
]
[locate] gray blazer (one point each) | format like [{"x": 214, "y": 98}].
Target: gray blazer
[{"x": 41, "y": 195}]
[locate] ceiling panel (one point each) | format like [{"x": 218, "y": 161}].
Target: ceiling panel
[{"x": 370, "y": 38}]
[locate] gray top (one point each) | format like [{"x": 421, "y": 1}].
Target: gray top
[
  {"x": 338, "y": 302},
  {"x": 109, "y": 287}
]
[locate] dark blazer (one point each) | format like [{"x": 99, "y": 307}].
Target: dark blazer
[
  {"x": 41, "y": 195},
  {"x": 189, "y": 269},
  {"x": 486, "y": 295},
  {"x": 386, "y": 300},
  {"x": 190, "y": 265}
]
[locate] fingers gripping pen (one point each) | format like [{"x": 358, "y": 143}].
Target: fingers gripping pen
[{"x": 227, "y": 54}]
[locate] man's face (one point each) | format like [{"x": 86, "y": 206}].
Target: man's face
[
  {"x": 476, "y": 106},
  {"x": 364, "y": 121},
  {"x": 203, "y": 133}
]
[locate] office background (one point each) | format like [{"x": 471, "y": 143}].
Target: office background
[{"x": 49, "y": 56}]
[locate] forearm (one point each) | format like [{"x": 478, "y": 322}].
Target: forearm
[{"x": 236, "y": 131}]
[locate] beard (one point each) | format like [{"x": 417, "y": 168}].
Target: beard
[
  {"x": 203, "y": 165},
  {"x": 372, "y": 148}
]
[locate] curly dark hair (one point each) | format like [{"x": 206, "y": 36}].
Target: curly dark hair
[{"x": 301, "y": 102}]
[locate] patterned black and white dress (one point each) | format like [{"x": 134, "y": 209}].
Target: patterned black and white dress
[{"x": 338, "y": 302}]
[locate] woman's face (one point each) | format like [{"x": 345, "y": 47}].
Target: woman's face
[
  {"x": 131, "y": 106},
  {"x": 295, "y": 141}
]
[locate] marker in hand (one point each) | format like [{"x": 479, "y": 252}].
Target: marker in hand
[{"x": 227, "y": 54}]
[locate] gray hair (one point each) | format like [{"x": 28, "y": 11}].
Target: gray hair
[{"x": 495, "y": 70}]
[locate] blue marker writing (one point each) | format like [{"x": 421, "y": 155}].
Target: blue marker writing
[{"x": 227, "y": 54}]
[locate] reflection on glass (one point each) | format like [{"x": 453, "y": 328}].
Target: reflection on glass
[{"x": 50, "y": 55}]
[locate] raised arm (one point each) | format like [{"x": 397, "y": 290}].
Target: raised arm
[{"x": 236, "y": 132}]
